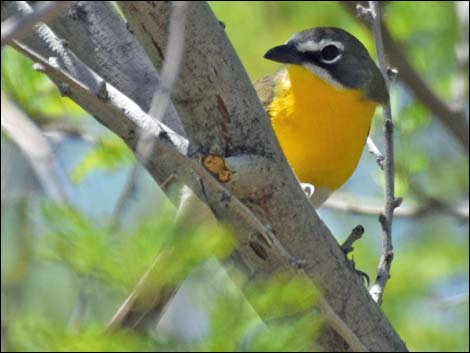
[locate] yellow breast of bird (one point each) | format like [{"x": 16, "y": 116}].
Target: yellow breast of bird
[{"x": 322, "y": 129}]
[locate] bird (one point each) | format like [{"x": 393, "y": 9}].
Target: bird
[{"x": 321, "y": 104}]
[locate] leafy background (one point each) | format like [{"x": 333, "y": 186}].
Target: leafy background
[{"x": 52, "y": 256}]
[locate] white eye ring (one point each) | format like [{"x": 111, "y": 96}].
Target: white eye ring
[{"x": 339, "y": 46}]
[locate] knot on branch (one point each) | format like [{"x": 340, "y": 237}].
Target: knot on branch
[
  {"x": 384, "y": 223},
  {"x": 102, "y": 91},
  {"x": 389, "y": 257},
  {"x": 64, "y": 89},
  {"x": 215, "y": 164},
  {"x": 388, "y": 126},
  {"x": 397, "y": 202},
  {"x": 258, "y": 249}
]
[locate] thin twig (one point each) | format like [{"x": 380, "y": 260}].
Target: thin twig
[
  {"x": 453, "y": 300},
  {"x": 126, "y": 194},
  {"x": 81, "y": 307},
  {"x": 173, "y": 58},
  {"x": 19, "y": 27},
  {"x": 160, "y": 102},
  {"x": 372, "y": 207},
  {"x": 355, "y": 234},
  {"x": 391, "y": 202},
  {"x": 120, "y": 315}
]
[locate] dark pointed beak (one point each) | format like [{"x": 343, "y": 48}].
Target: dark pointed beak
[{"x": 286, "y": 54}]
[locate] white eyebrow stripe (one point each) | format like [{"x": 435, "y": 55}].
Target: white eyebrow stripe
[{"x": 309, "y": 45}]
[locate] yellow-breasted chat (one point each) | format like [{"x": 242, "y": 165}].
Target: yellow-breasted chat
[{"x": 321, "y": 104}]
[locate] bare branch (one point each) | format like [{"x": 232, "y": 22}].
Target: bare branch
[
  {"x": 173, "y": 57},
  {"x": 355, "y": 234},
  {"x": 373, "y": 208},
  {"x": 158, "y": 108},
  {"x": 120, "y": 315},
  {"x": 390, "y": 201},
  {"x": 454, "y": 300},
  {"x": 37, "y": 149},
  {"x": 123, "y": 200},
  {"x": 160, "y": 101},
  {"x": 453, "y": 119},
  {"x": 19, "y": 27}
]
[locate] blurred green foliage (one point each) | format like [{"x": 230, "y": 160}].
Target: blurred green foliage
[
  {"x": 50, "y": 252},
  {"x": 108, "y": 154},
  {"x": 286, "y": 304},
  {"x": 120, "y": 257},
  {"x": 33, "y": 91}
]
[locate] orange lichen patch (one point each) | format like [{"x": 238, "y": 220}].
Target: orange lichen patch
[{"x": 216, "y": 165}]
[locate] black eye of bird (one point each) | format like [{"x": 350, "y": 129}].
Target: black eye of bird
[{"x": 330, "y": 52}]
